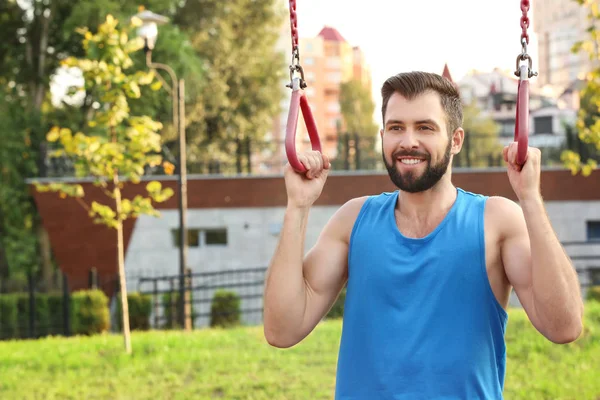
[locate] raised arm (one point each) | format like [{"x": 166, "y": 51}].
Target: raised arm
[
  {"x": 300, "y": 290},
  {"x": 534, "y": 260}
]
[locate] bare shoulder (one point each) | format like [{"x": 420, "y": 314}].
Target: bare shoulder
[
  {"x": 342, "y": 222},
  {"x": 505, "y": 215}
]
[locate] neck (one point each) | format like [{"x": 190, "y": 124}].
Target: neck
[{"x": 427, "y": 204}]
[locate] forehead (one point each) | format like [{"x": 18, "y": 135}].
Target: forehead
[{"x": 425, "y": 106}]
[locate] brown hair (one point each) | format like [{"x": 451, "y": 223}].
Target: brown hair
[{"x": 412, "y": 84}]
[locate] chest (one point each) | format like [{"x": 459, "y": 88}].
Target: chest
[{"x": 417, "y": 229}]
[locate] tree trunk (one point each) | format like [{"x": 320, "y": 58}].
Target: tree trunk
[
  {"x": 38, "y": 90},
  {"x": 121, "y": 261},
  {"x": 45, "y": 257}
]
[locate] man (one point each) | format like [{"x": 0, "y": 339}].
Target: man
[{"x": 429, "y": 268}]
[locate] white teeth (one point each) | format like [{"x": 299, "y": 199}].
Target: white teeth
[{"x": 410, "y": 161}]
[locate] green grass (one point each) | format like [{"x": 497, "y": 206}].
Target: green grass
[{"x": 238, "y": 364}]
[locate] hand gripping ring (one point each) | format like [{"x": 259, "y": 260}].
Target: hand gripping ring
[{"x": 299, "y": 102}]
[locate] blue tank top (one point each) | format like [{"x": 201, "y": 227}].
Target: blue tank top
[{"x": 420, "y": 318}]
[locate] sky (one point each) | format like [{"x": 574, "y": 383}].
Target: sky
[{"x": 405, "y": 35}]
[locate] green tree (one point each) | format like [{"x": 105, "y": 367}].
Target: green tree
[
  {"x": 357, "y": 138},
  {"x": 117, "y": 145},
  {"x": 357, "y": 108},
  {"x": 18, "y": 246},
  {"x": 36, "y": 36},
  {"x": 481, "y": 132},
  {"x": 243, "y": 83},
  {"x": 588, "y": 121}
]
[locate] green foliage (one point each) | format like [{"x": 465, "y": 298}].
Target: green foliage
[
  {"x": 482, "y": 133},
  {"x": 337, "y": 310},
  {"x": 140, "y": 308},
  {"x": 17, "y": 212},
  {"x": 55, "y": 313},
  {"x": 89, "y": 312},
  {"x": 172, "y": 308},
  {"x": 588, "y": 122},
  {"x": 242, "y": 366},
  {"x": 357, "y": 107},
  {"x": 593, "y": 293},
  {"x": 117, "y": 145},
  {"x": 42, "y": 315},
  {"x": 225, "y": 309},
  {"x": 243, "y": 83},
  {"x": 15, "y": 315},
  {"x": 8, "y": 317}
]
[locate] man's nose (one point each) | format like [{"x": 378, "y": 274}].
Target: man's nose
[{"x": 408, "y": 140}]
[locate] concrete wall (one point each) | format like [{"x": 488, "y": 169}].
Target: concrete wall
[
  {"x": 253, "y": 235},
  {"x": 251, "y": 208}
]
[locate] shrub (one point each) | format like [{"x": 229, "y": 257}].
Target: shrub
[
  {"x": 337, "y": 310},
  {"x": 170, "y": 301},
  {"x": 140, "y": 308},
  {"x": 89, "y": 312},
  {"x": 593, "y": 293},
  {"x": 22, "y": 315},
  {"x": 8, "y": 316},
  {"x": 55, "y": 314},
  {"x": 42, "y": 315},
  {"x": 225, "y": 309}
]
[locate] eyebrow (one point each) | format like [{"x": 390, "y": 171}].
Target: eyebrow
[{"x": 420, "y": 122}]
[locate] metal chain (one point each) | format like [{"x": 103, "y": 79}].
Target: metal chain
[
  {"x": 294, "y": 25},
  {"x": 295, "y": 65},
  {"x": 525, "y": 20},
  {"x": 524, "y": 42}
]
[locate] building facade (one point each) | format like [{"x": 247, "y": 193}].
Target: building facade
[
  {"x": 558, "y": 25},
  {"x": 328, "y": 60},
  {"x": 234, "y": 224},
  {"x": 495, "y": 94}
]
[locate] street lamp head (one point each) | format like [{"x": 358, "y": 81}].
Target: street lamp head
[{"x": 149, "y": 28}]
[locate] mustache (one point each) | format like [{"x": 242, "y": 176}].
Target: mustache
[{"x": 413, "y": 153}]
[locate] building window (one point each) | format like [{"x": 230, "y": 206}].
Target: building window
[
  {"x": 214, "y": 237},
  {"x": 334, "y": 77},
  {"x": 507, "y": 127},
  {"x": 542, "y": 125},
  {"x": 333, "y": 62},
  {"x": 193, "y": 237},
  {"x": 202, "y": 237},
  {"x": 593, "y": 230},
  {"x": 333, "y": 107},
  {"x": 309, "y": 61}
]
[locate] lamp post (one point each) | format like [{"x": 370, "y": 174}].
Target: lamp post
[{"x": 149, "y": 32}]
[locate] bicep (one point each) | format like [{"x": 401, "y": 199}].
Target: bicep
[
  {"x": 516, "y": 258},
  {"x": 325, "y": 266}
]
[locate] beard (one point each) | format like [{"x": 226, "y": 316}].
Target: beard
[{"x": 409, "y": 181}]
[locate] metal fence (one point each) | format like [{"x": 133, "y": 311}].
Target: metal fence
[
  {"x": 247, "y": 285},
  {"x": 352, "y": 152},
  {"x": 201, "y": 287}
]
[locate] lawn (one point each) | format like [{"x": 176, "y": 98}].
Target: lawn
[{"x": 238, "y": 364}]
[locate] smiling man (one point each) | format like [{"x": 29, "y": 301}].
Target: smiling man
[{"x": 429, "y": 267}]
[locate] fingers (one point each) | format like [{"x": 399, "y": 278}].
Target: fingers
[
  {"x": 510, "y": 152},
  {"x": 314, "y": 162}
]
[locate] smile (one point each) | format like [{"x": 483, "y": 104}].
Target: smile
[{"x": 410, "y": 161}]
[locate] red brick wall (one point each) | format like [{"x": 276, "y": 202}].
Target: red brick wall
[{"x": 79, "y": 244}]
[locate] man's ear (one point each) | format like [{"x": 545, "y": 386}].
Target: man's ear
[{"x": 458, "y": 138}]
